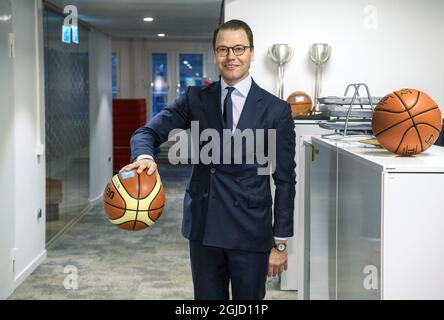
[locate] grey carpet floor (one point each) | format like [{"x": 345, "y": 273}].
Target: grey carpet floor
[{"x": 96, "y": 260}]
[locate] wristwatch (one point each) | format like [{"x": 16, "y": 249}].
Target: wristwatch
[{"x": 280, "y": 246}]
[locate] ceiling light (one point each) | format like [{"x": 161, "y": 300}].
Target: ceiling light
[
  {"x": 148, "y": 19},
  {"x": 161, "y": 34},
  {"x": 5, "y": 18}
]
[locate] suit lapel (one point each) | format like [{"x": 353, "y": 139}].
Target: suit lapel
[
  {"x": 212, "y": 106},
  {"x": 253, "y": 108}
]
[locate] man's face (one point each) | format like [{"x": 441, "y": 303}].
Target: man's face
[{"x": 231, "y": 67}]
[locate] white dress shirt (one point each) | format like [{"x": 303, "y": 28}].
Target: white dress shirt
[{"x": 238, "y": 97}]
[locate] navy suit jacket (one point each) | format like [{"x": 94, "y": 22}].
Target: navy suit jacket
[{"x": 230, "y": 205}]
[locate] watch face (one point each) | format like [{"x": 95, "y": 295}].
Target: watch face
[{"x": 281, "y": 246}]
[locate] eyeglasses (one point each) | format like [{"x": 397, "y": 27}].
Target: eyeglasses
[{"x": 237, "y": 50}]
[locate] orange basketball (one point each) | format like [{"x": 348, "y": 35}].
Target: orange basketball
[
  {"x": 134, "y": 201},
  {"x": 300, "y": 103},
  {"x": 407, "y": 122}
]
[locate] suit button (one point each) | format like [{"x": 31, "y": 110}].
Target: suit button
[
  {"x": 213, "y": 170},
  {"x": 238, "y": 180},
  {"x": 236, "y": 203},
  {"x": 205, "y": 195}
]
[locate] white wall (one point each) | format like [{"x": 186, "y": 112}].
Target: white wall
[
  {"x": 7, "y": 166},
  {"x": 28, "y": 170},
  {"x": 404, "y": 50},
  {"x": 135, "y": 62},
  {"x": 101, "y": 125}
]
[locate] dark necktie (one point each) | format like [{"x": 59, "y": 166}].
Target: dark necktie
[{"x": 228, "y": 109}]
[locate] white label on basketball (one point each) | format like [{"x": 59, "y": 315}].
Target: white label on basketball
[{"x": 127, "y": 174}]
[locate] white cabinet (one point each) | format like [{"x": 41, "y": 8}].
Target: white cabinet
[
  {"x": 320, "y": 223},
  {"x": 304, "y": 129},
  {"x": 376, "y": 223}
]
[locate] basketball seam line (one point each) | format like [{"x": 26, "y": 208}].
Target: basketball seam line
[
  {"x": 434, "y": 108},
  {"x": 413, "y": 121},
  {"x": 423, "y": 123},
  {"x": 124, "y": 203},
  {"x": 154, "y": 198},
  {"x": 390, "y": 111},
  {"x": 403, "y": 136},
  {"x": 428, "y": 124},
  {"x": 149, "y": 192},
  {"x": 413, "y": 105},
  {"x": 126, "y": 209},
  {"x": 138, "y": 196},
  {"x": 123, "y": 186},
  {"x": 121, "y": 183},
  {"x": 121, "y": 196},
  {"x": 119, "y": 224}
]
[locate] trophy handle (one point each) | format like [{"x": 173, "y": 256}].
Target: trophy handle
[
  {"x": 281, "y": 81},
  {"x": 316, "y": 93}
]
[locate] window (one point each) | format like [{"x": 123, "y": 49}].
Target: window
[
  {"x": 159, "y": 83},
  {"x": 190, "y": 71},
  {"x": 114, "y": 64}
]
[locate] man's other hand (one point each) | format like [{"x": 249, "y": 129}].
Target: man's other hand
[{"x": 277, "y": 262}]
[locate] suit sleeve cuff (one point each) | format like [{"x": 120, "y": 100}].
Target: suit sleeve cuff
[{"x": 144, "y": 156}]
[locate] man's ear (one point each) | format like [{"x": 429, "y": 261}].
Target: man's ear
[{"x": 252, "y": 54}]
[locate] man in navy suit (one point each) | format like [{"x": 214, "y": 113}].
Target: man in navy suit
[{"x": 228, "y": 218}]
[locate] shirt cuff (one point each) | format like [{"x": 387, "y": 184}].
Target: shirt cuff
[
  {"x": 280, "y": 238},
  {"x": 144, "y": 156}
]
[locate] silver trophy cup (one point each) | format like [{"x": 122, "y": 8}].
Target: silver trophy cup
[
  {"x": 280, "y": 53},
  {"x": 319, "y": 54}
]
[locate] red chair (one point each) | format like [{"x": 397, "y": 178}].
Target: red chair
[{"x": 128, "y": 115}]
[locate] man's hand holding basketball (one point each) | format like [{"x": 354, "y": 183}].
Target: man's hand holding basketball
[{"x": 141, "y": 165}]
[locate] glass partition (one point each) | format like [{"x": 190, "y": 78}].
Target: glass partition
[{"x": 67, "y": 125}]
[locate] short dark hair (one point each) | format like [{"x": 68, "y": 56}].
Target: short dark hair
[{"x": 234, "y": 25}]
